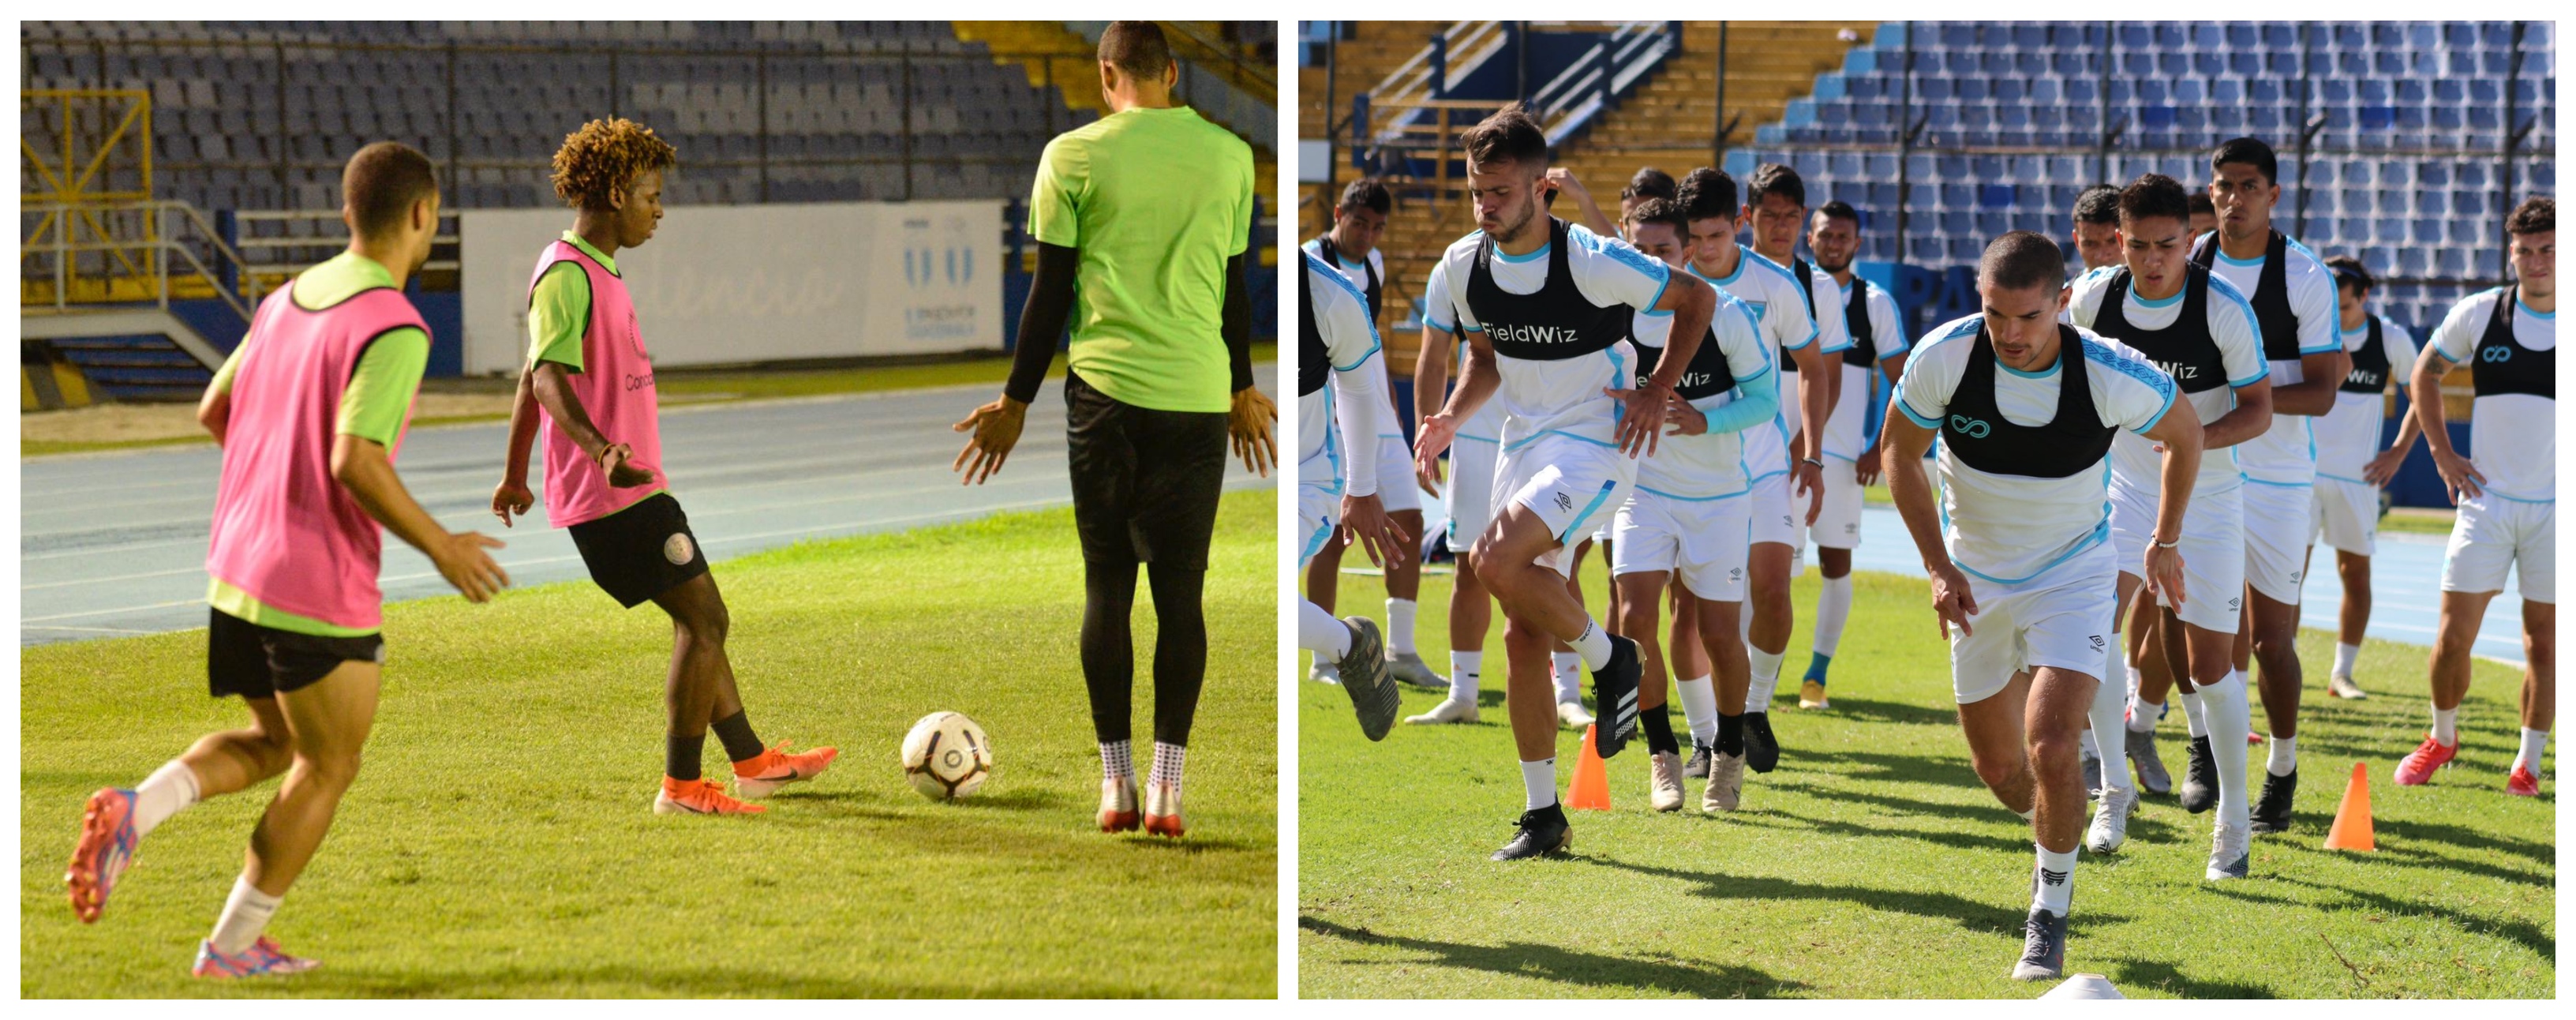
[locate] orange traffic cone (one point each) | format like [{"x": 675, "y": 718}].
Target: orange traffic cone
[
  {"x": 2352, "y": 820},
  {"x": 1591, "y": 789}
]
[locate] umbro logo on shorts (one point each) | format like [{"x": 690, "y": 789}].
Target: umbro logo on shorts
[
  {"x": 1972, "y": 428},
  {"x": 2097, "y": 642},
  {"x": 2496, "y": 353},
  {"x": 1564, "y": 502},
  {"x": 2235, "y": 603},
  {"x": 1735, "y": 573}
]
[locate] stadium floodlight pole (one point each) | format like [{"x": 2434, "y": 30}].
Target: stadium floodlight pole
[
  {"x": 1718, "y": 159},
  {"x": 1332, "y": 67},
  {"x": 2102, "y": 95},
  {"x": 2307, "y": 136},
  {"x": 1906, "y": 128},
  {"x": 2512, "y": 140}
]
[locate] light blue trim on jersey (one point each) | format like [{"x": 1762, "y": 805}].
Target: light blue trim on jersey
[
  {"x": 2256, "y": 261},
  {"x": 1620, "y": 373},
  {"x": 1597, "y": 499},
  {"x": 1445, "y": 327},
  {"x": 1535, "y": 437},
  {"x": 1517, "y": 259},
  {"x": 1653, "y": 314},
  {"x": 2168, "y": 409},
  {"x": 2253, "y": 323},
  {"x": 2249, "y": 380},
  {"x": 2251, "y": 480},
  {"x": 2518, "y": 306},
  {"x": 2340, "y": 478},
  {"x": 2436, "y": 350},
  {"x": 1480, "y": 439},
  {"x": 1323, "y": 532},
  {"x": 2041, "y": 374},
  {"x": 2144, "y": 302},
  {"x": 2518, "y": 499},
  {"x": 1910, "y": 412},
  {"x": 2325, "y": 348},
  {"x": 2153, "y": 377},
  {"x": 1748, "y": 410},
  {"x": 1332, "y": 443},
  {"x": 1661, "y": 494},
  {"x": 1317, "y": 267},
  {"x": 2101, "y": 533}
]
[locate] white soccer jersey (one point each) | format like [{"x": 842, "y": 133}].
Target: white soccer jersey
[
  {"x": 1772, "y": 293},
  {"x": 2348, "y": 436},
  {"x": 2513, "y": 437},
  {"x": 2286, "y": 454},
  {"x": 1709, "y": 465},
  {"x": 1440, "y": 309},
  {"x": 2134, "y": 460},
  {"x": 2008, "y": 529},
  {"x": 1564, "y": 395},
  {"x": 1389, "y": 426},
  {"x": 1335, "y": 438},
  {"x": 1843, "y": 432}
]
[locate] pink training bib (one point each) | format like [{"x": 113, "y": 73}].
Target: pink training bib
[
  {"x": 615, "y": 387},
  {"x": 284, "y": 529}
]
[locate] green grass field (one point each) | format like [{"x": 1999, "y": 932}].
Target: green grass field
[
  {"x": 499, "y": 842},
  {"x": 1873, "y": 863}
]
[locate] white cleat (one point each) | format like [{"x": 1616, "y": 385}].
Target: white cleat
[
  {"x": 2229, "y": 847},
  {"x": 1571, "y": 715},
  {"x": 1664, "y": 791},
  {"x": 1449, "y": 710},
  {"x": 1725, "y": 783},
  {"x": 2343, "y": 687},
  {"x": 2111, "y": 820}
]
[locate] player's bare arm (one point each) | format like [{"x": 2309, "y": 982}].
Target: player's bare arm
[
  {"x": 2251, "y": 417},
  {"x": 2179, "y": 437},
  {"x": 2383, "y": 466},
  {"x": 2425, "y": 389},
  {"x": 996, "y": 426},
  {"x": 1563, "y": 180},
  {"x": 1691, "y": 301},
  {"x": 1477, "y": 380},
  {"x": 360, "y": 466},
  {"x": 554, "y": 393},
  {"x": 512, "y": 496},
  {"x": 1250, "y": 421},
  {"x": 1906, "y": 441},
  {"x": 2323, "y": 372},
  {"x": 1818, "y": 378},
  {"x": 1430, "y": 387},
  {"x": 1865, "y": 470}
]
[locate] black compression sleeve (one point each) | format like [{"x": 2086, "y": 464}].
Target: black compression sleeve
[
  {"x": 1238, "y": 323},
  {"x": 1042, "y": 320}
]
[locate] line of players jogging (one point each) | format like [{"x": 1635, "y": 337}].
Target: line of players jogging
[{"x": 2062, "y": 503}]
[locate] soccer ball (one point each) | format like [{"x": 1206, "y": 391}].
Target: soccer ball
[{"x": 946, "y": 756}]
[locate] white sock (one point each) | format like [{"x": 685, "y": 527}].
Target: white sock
[
  {"x": 1593, "y": 645},
  {"x": 1318, "y": 632},
  {"x": 1117, "y": 760},
  {"x": 2144, "y": 715},
  {"x": 2052, "y": 882},
  {"x": 1167, "y": 765},
  {"x": 2030, "y": 815},
  {"x": 1699, "y": 706},
  {"x": 1569, "y": 677},
  {"x": 2533, "y": 742},
  {"x": 2109, "y": 730},
  {"x": 1538, "y": 781},
  {"x": 1399, "y": 626},
  {"x": 2229, "y": 718},
  {"x": 246, "y": 914},
  {"x": 1466, "y": 672},
  {"x": 2131, "y": 670},
  {"x": 2344, "y": 656},
  {"x": 1766, "y": 678},
  {"x": 2446, "y": 726},
  {"x": 171, "y": 787},
  {"x": 1833, "y": 606},
  {"x": 2281, "y": 756},
  {"x": 2194, "y": 711}
]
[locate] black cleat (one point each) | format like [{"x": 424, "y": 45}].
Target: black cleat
[
  {"x": 1365, "y": 679},
  {"x": 2199, "y": 791},
  {"x": 2272, "y": 810},
  {"x": 1761, "y": 749},
  {"x": 1697, "y": 766},
  {"x": 1614, "y": 695},
  {"x": 2043, "y": 947},
  {"x": 2151, "y": 767},
  {"x": 1543, "y": 831}
]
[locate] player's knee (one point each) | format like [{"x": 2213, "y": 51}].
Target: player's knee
[
  {"x": 1997, "y": 771},
  {"x": 331, "y": 768}
]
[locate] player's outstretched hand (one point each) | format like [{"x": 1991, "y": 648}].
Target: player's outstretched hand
[
  {"x": 1642, "y": 426},
  {"x": 1365, "y": 519},
  {"x": 512, "y": 498},
  {"x": 1952, "y": 602},
  {"x": 618, "y": 459},
  {"x": 2383, "y": 466},
  {"x": 1248, "y": 426},
  {"x": 996, "y": 428},
  {"x": 1430, "y": 440},
  {"x": 1808, "y": 479},
  {"x": 2164, "y": 573},
  {"x": 2463, "y": 478},
  {"x": 461, "y": 559}
]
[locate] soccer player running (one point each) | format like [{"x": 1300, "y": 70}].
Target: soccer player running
[
  {"x": 2351, "y": 468},
  {"x": 589, "y": 387},
  {"x": 310, "y": 411},
  {"x": 1547, "y": 308},
  {"x": 1781, "y": 466},
  {"x": 1147, "y": 213},
  {"x": 2294, "y": 301},
  {"x": 1351, "y": 248},
  {"x": 1337, "y": 474},
  {"x": 1688, "y": 521},
  {"x": 1851, "y": 464},
  {"x": 2507, "y": 492},
  {"x": 2199, "y": 330},
  {"x": 2022, "y": 578}
]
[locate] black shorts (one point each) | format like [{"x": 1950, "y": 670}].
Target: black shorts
[
  {"x": 641, "y": 551},
  {"x": 244, "y": 659},
  {"x": 1145, "y": 482}
]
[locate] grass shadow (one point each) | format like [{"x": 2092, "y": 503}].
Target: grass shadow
[
  {"x": 1894, "y": 767},
  {"x": 1957, "y": 840},
  {"x": 2003, "y": 922},
  {"x": 1621, "y": 974},
  {"x": 2165, "y": 977},
  {"x": 2528, "y": 935},
  {"x": 1865, "y": 710}
]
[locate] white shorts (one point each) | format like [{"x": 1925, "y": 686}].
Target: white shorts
[
  {"x": 1471, "y": 490},
  {"x": 2346, "y": 517},
  {"x": 1317, "y": 509},
  {"x": 2061, "y": 618},
  {"x": 2276, "y": 538},
  {"x": 1572, "y": 486},
  {"x": 1396, "y": 488},
  {"x": 1703, "y": 541},
  {"x": 2213, "y": 552},
  {"x": 1838, "y": 525},
  {"x": 1779, "y": 517},
  {"x": 2493, "y": 533}
]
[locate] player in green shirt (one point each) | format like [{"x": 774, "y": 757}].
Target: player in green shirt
[{"x": 1141, "y": 220}]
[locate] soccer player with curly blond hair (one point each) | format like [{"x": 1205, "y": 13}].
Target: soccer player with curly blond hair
[{"x": 589, "y": 384}]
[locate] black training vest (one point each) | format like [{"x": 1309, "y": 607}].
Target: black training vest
[
  {"x": 1798, "y": 270},
  {"x": 2369, "y": 372},
  {"x": 1313, "y": 359},
  {"x": 1553, "y": 324},
  {"x": 1376, "y": 289},
  {"x": 1708, "y": 374},
  {"x": 2271, "y": 297},
  {"x": 2185, "y": 349},
  {"x": 1864, "y": 349},
  {"x": 2503, "y": 365},
  {"x": 1979, "y": 435}
]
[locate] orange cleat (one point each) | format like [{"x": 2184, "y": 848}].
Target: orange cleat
[
  {"x": 2522, "y": 783},
  {"x": 2417, "y": 768},
  {"x": 698, "y": 797},
  {"x": 262, "y": 959},
  {"x": 777, "y": 767},
  {"x": 1118, "y": 805},
  {"x": 1163, "y": 810},
  {"x": 106, "y": 846}
]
